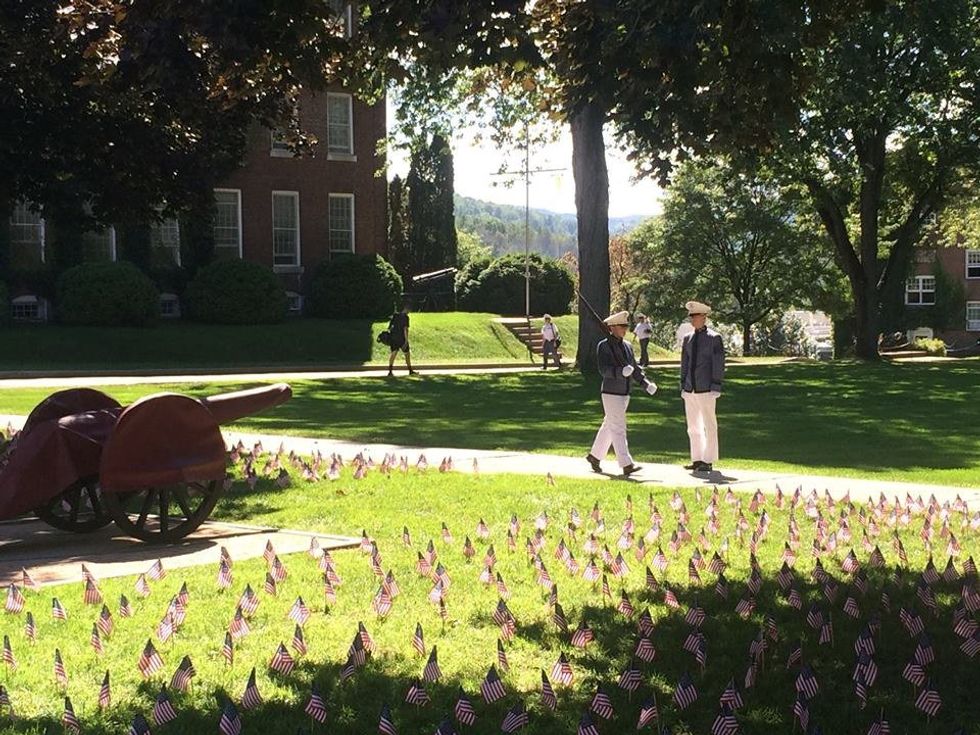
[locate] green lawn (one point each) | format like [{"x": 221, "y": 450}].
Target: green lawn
[
  {"x": 467, "y": 642},
  {"x": 910, "y": 421},
  {"x": 435, "y": 337}
]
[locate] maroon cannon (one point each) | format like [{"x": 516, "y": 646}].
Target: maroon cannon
[{"x": 156, "y": 468}]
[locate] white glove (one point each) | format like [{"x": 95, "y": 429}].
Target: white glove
[
  {"x": 715, "y": 394},
  {"x": 651, "y": 387},
  {"x": 627, "y": 370}
]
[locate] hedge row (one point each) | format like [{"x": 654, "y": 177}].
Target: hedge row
[
  {"x": 498, "y": 286},
  {"x": 224, "y": 292}
]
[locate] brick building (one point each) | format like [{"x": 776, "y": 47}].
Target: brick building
[
  {"x": 958, "y": 264},
  {"x": 287, "y": 213}
]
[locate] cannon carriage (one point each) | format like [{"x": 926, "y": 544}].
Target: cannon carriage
[{"x": 155, "y": 468}]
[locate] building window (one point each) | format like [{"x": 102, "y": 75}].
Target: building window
[
  {"x": 280, "y": 146},
  {"x": 29, "y": 309},
  {"x": 165, "y": 241},
  {"x": 973, "y": 263},
  {"x": 342, "y": 10},
  {"x": 294, "y": 302},
  {"x": 285, "y": 228},
  {"x": 920, "y": 290},
  {"x": 99, "y": 244},
  {"x": 26, "y": 235},
  {"x": 973, "y": 316},
  {"x": 341, "y": 216},
  {"x": 228, "y": 223},
  {"x": 169, "y": 306},
  {"x": 340, "y": 124}
]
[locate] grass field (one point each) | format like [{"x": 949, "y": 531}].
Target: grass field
[
  {"x": 467, "y": 641},
  {"x": 914, "y": 422},
  {"x": 435, "y": 337}
]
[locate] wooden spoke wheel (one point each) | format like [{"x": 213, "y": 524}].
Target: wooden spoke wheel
[
  {"x": 79, "y": 509},
  {"x": 163, "y": 514}
]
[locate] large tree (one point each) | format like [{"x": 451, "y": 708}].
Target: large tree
[
  {"x": 431, "y": 243},
  {"x": 735, "y": 240},
  {"x": 887, "y": 122}
]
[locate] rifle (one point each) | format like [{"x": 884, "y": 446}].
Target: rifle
[{"x": 605, "y": 327}]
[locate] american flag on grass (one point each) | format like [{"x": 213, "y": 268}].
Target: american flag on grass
[
  {"x": 281, "y": 661},
  {"x": 298, "y": 643},
  {"x": 491, "y": 688},
  {"x": 30, "y": 627},
  {"x": 228, "y": 649},
  {"x": 8, "y": 654},
  {"x": 231, "y": 722},
  {"x": 163, "y": 708},
  {"x": 515, "y": 719},
  {"x": 586, "y": 726},
  {"x": 548, "y": 698},
  {"x": 181, "y": 680},
  {"x": 251, "y": 697},
  {"x": 685, "y": 693},
  {"x": 601, "y": 705},
  {"x": 156, "y": 572},
  {"x": 463, "y": 710},
  {"x": 928, "y": 700},
  {"x": 96, "y": 640},
  {"x": 149, "y": 661},
  {"x": 125, "y": 610},
  {"x": 58, "y": 611},
  {"x": 416, "y": 694},
  {"x": 386, "y": 725},
  {"x": 105, "y": 692},
  {"x": 316, "y": 708},
  {"x": 60, "y": 673},
  {"x": 139, "y": 726},
  {"x": 15, "y": 599},
  {"x": 91, "y": 595},
  {"x": 431, "y": 672},
  {"x": 68, "y": 719},
  {"x": 105, "y": 621}
]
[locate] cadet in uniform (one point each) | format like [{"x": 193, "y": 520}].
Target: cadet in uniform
[
  {"x": 618, "y": 368},
  {"x": 702, "y": 370}
]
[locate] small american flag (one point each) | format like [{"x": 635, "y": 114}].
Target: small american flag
[
  {"x": 416, "y": 694},
  {"x": 68, "y": 720},
  {"x": 270, "y": 587},
  {"x": 5, "y": 700},
  {"x": 299, "y": 613},
  {"x": 27, "y": 582},
  {"x": 251, "y": 697},
  {"x": 104, "y": 622},
  {"x": 418, "y": 640},
  {"x": 165, "y": 629},
  {"x": 685, "y": 694},
  {"x": 139, "y": 726},
  {"x": 725, "y": 723},
  {"x": 515, "y": 719},
  {"x": 431, "y": 672},
  {"x": 928, "y": 701},
  {"x": 924, "y": 653},
  {"x": 248, "y": 602},
  {"x": 125, "y": 611},
  {"x": 149, "y": 661},
  {"x": 60, "y": 673},
  {"x": 630, "y": 679},
  {"x": 386, "y": 725},
  {"x": 801, "y": 710},
  {"x": 231, "y": 721},
  {"x": 806, "y": 682},
  {"x": 586, "y": 726},
  {"x": 548, "y": 698},
  {"x": 491, "y": 688},
  {"x": 357, "y": 652},
  {"x": 298, "y": 643},
  {"x": 15, "y": 599},
  {"x": 278, "y": 570},
  {"x": 181, "y": 680},
  {"x": 648, "y": 714},
  {"x": 96, "y": 640},
  {"x": 406, "y": 536},
  {"x": 583, "y": 635},
  {"x": 156, "y": 572},
  {"x": 731, "y": 696},
  {"x": 91, "y": 596},
  {"x": 238, "y": 627},
  {"x": 601, "y": 705},
  {"x": 30, "y": 628},
  {"x": 465, "y": 714},
  {"x": 914, "y": 673},
  {"x": 316, "y": 708},
  {"x": 228, "y": 649},
  {"x": 58, "y": 611},
  {"x": 269, "y": 553},
  {"x": 8, "y": 653},
  {"x": 645, "y": 650},
  {"x": 281, "y": 661},
  {"x": 562, "y": 672},
  {"x": 142, "y": 587}
]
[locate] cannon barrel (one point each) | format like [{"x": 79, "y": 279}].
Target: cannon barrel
[{"x": 228, "y": 407}]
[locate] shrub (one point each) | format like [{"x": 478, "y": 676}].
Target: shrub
[
  {"x": 352, "y": 286},
  {"x": 235, "y": 292},
  {"x": 106, "y": 294},
  {"x": 931, "y": 346},
  {"x": 499, "y": 288}
]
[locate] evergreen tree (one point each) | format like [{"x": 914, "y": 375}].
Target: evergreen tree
[
  {"x": 399, "y": 254},
  {"x": 432, "y": 242}
]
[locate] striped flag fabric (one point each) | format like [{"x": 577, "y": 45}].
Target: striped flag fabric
[
  {"x": 141, "y": 586},
  {"x": 269, "y": 586},
  {"x": 299, "y": 613},
  {"x": 68, "y": 719},
  {"x": 30, "y": 627},
  {"x": 418, "y": 640},
  {"x": 491, "y": 688},
  {"x": 60, "y": 673},
  {"x": 163, "y": 708},
  {"x": 139, "y": 726},
  {"x": 282, "y": 662},
  {"x": 125, "y": 610},
  {"x": 228, "y": 649},
  {"x": 105, "y": 621},
  {"x": 463, "y": 709},
  {"x": 105, "y": 692},
  {"x": 801, "y": 710},
  {"x": 806, "y": 682},
  {"x": 416, "y": 694},
  {"x": 725, "y": 722},
  {"x": 15, "y": 599},
  {"x": 251, "y": 697},
  {"x": 562, "y": 672},
  {"x": 298, "y": 643},
  {"x": 149, "y": 661},
  {"x": 431, "y": 672},
  {"x": 648, "y": 714},
  {"x": 231, "y": 722},
  {"x": 731, "y": 697},
  {"x": 316, "y": 707},
  {"x": 645, "y": 650},
  {"x": 27, "y": 582},
  {"x": 58, "y": 611},
  {"x": 96, "y": 640},
  {"x": 583, "y": 635},
  {"x": 548, "y": 697},
  {"x": 586, "y": 726},
  {"x": 225, "y": 577},
  {"x": 928, "y": 701},
  {"x": 601, "y": 705},
  {"x": 685, "y": 693},
  {"x": 386, "y": 725},
  {"x": 8, "y": 654},
  {"x": 91, "y": 595},
  {"x": 630, "y": 679},
  {"x": 880, "y": 727},
  {"x": 502, "y": 656},
  {"x": 181, "y": 680},
  {"x": 238, "y": 627},
  {"x": 515, "y": 719}
]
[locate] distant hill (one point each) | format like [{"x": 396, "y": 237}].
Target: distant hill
[{"x": 501, "y": 226}]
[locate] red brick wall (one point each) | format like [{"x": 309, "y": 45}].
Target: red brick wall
[
  {"x": 314, "y": 177},
  {"x": 953, "y": 262}
]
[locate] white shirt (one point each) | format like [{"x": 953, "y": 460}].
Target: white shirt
[
  {"x": 548, "y": 332},
  {"x": 643, "y": 330}
]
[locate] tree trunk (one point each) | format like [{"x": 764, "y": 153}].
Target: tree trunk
[
  {"x": 592, "y": 209},
  {"x": 746, "y": 339}
]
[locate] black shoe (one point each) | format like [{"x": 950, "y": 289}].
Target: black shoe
[
  {"x": 391, "y": 374},
  {"x": 413, "y": 372},
  {"x": 596, "y": 467},
  {"x": 630, "y": 469},
  {"x": 693, "y": 466},
  {"x": 706, "y": 467}
]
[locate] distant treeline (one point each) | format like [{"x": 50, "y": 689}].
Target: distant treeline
[{"x": 501, "y": 226}]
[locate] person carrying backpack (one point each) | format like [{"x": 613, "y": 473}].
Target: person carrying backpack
[
  {"x": 398, "y": 328},
  {"x": 551, "y": 341}
]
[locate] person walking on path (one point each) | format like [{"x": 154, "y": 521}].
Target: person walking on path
[
  {"x": 551, "y": 341},
  {"x": 619, "y": 370},
  {"x": 398, "y": 327},
  {"x": 643, "y": 332},
  {"x": 702, "y": 371}
]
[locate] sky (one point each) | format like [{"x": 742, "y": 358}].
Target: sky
[{"x": 476, "y": 166}]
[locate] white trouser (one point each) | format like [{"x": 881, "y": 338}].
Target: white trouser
[
  {"x": 702, "y": 426},
  {"x": 613, "y": 430}
]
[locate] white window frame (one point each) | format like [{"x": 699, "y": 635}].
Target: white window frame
[
  {"x": 353, "y": 228},
  {"x": 916, "y": 285},
  {"x": 973, "y": 325},
  {"x": 278, "y": 147},
  {"x": 111, "y": 232},
  {"x": 292, "y": 297},
  {"x": 41, "y": 305},
  {"x": 297, "y": 261},
  {"x": 347, "y": 17},
  {"x": 345, "y": 155},
  {"x": 238, "y": 194},
  {"x": 170, "y": 298},
  {"x": 975, "y": 264},
  {"x": 156, "y": 241},
  {"x": 41, "y": 227}
]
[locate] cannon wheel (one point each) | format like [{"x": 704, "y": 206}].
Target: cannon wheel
[
  {"x": 163, "y": 514},
  {"x": 78, "y": 509}
]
